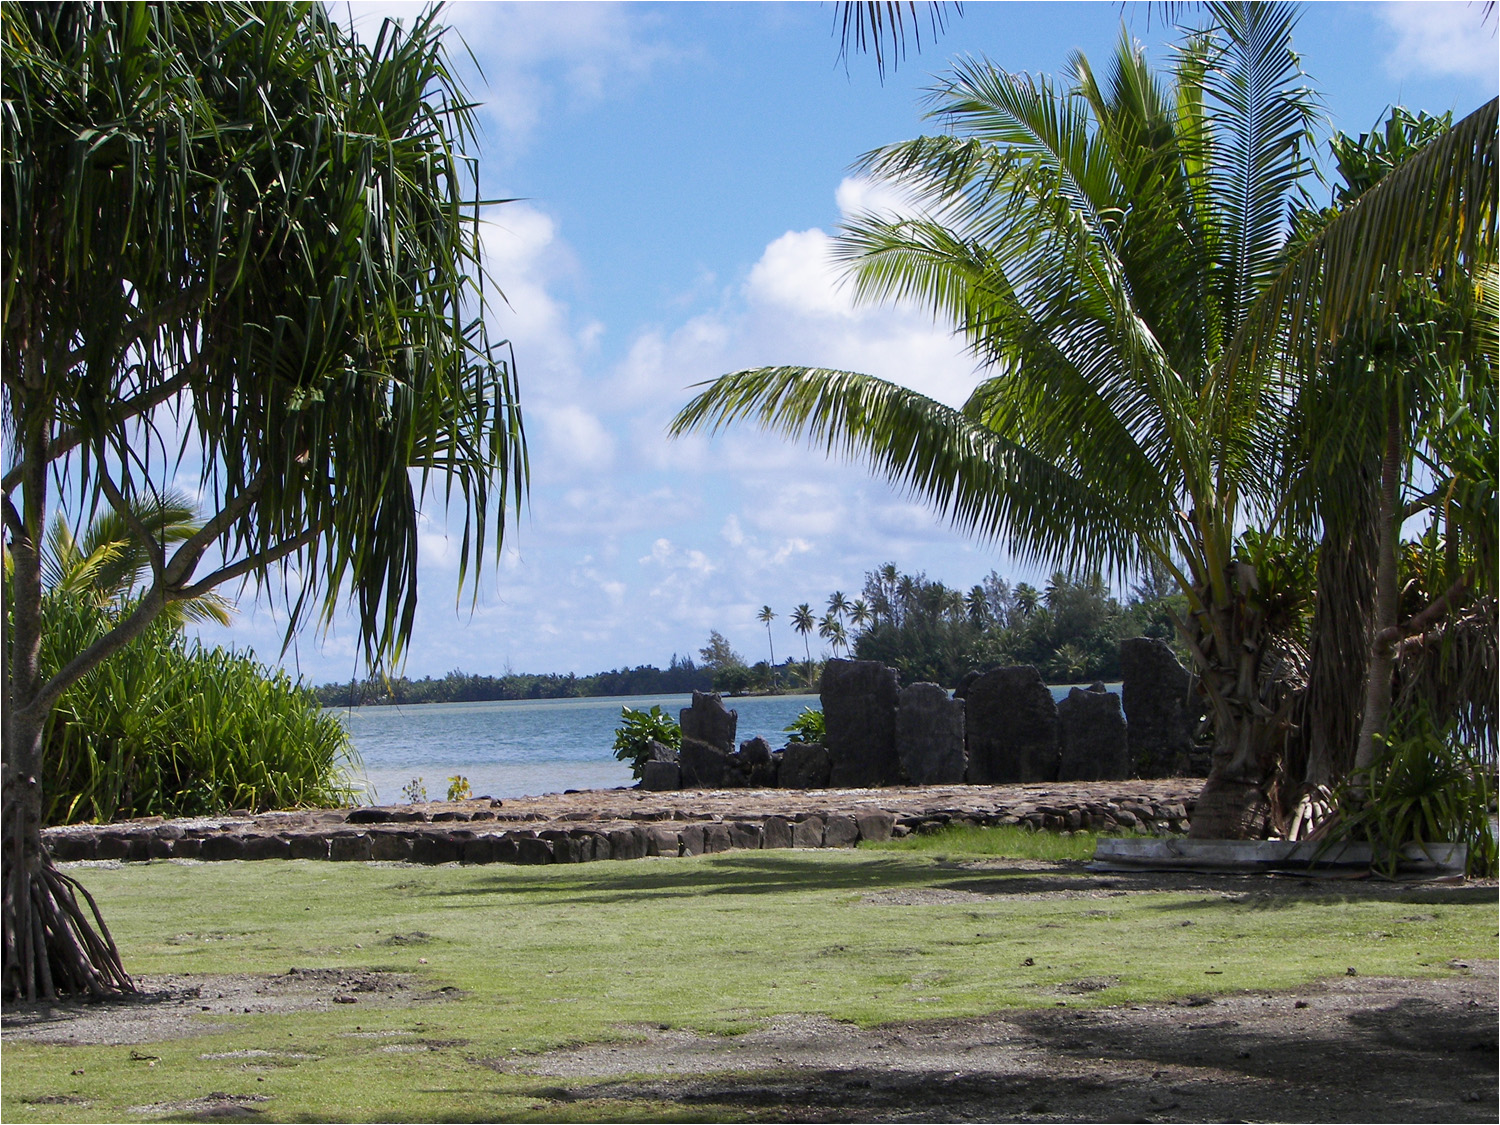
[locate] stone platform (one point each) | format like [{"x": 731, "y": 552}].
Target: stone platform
[{"x": 596, "y": 824}]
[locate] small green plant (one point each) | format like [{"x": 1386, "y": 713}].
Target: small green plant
[
  {"x": 414, "y": 791},
  {"x": 807, "y": 727},
  {"x": 458, "y": 788},
  {"x": 1425, "y": 787},
  {"x": 638, "y": 729}
]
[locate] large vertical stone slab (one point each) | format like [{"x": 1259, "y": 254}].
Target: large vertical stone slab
[
  {"x": 859, "y": 716},
  {"x": 1161, "y": 707},
  {"x": 708, "y": 720},
  {"x": 1010, "y": 727},
  {"x": 1092, "y": 736},
  {"x": 930, "y": 736}
]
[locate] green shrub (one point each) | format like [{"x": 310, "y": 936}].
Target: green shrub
[
  {"x": 459, "y": 788},
  {"x": 1425, "y": 787},
  {"x": 169, "y": 727},
  {"x": 638, "y": 729},
  {"x": 807, "y": 727}
]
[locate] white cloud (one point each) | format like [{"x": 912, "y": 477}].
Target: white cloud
[
  {"x": 796, "y": 275},
  {"x": 1436, "y": 37}
]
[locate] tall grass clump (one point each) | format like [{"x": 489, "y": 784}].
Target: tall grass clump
[{"x": 170, "y": 727}]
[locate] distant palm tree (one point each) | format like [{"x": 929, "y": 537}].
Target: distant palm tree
[
  {"x": 859, "y": 613},
  {"x": 838, "y": 605},
  {"x": 978, "y": 605},
  {"x": 765, "y": 617},
  {"x": 1026, "y": 598},
  {"x": 804, "y": 622},
  {"x": 831, "y": 629}
]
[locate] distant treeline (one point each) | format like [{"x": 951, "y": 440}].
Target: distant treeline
[{"x": 680, "y": 677}]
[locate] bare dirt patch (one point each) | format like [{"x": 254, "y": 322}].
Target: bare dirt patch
[
  {"x": 1349, "y": 1049},
  {"x": 177, "y": 1006}
]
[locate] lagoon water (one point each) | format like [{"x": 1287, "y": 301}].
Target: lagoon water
[{"x": 524, "y": 747}]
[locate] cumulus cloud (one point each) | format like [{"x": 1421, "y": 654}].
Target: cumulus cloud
[{"x": 1437, "y": 37}]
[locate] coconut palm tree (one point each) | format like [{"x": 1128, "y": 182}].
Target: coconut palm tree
[
  {"x": 831, "y": 629},
  {"x": 804, "y": 622},
  {"x": 838, "y": 605},
  {"x": 1115, "y": 252},
  {"x": 765, "y": 617},
  {"x": 859, "y": 613}
]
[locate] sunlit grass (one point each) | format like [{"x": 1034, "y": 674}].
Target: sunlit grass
[{"x": 1004, "y": 841}]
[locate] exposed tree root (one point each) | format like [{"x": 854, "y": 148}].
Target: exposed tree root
[{"x": 52, "y": 949}]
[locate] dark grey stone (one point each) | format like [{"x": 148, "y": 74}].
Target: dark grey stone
[
  {"x": 1010, "y": 726},
  {"x": 227, "y": 846},
  {"x": 1161, "y": 706},
  {"x": 627, "y": 843},
  {"x": 930, "y": 736},
  {"x": 436, "y": 847},
  {"x": 661, "y": 752},
  {"x": 565, "y": 847},
  {"x": 345, "y": 846},
  {"x": 1091, "y": 731},
  {"x": 743, "y": 834},
  {"x": 804, "y": 765},
  {"x": 875, "y": 826},
  {"x": 191, "y": 847},
  {"x": 716, "y": 838},
  {"x": 859, "y": 716},
  {"x": 776, "y": 832},
  {"x": 692, "y": 839},
  {"x": 840, "y": 832},
  {"x": 490, "y": 849},
  {"x": 759, "y": 765},
  {"x": 708, "y": 720},
  {"x": 661, "y": 775},
  {"x": 808, "y": 833},
  {"x": 532, "y": 850},
  {"x": 704, "y": 766},
  {"x": 663, "y": 841},
  {"x": 390, "y": 846}
]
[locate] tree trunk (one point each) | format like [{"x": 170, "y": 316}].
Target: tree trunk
[
  {"x": 1250, "y": 715},
  {"x": 51, "y": 948},
  {"x": 1387, "y": 604}
]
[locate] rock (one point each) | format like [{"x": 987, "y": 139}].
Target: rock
[
  {"x": 703, "y": 765},
  {"x": 660, "y": 752},
  {"x": 1161, "y": 706},
  {"x": 627, "y": 843},
  {"x": 708, "y": 720},
  {"x": 716, "y": 838},
  {"x": 191, "y": 847},
  {"x": 390, "y": 846},
  {"x": 231, "y": 846},
  {"x": 1010, "y": 726},
  {"x": 743, "y": 834},
  {"x": 1091, "y": 730},
  {"x": 67, "y": 847},
  {"x": 755, "y": 752},
  {"x": 759, "y": 764},
  {"x": 808, "y": 833},
  {"x": 692, "y": 837},
  {"x": 490, "y": 849},
  {"x": 776, "y": 832},
  {"x": 840, "y": 832},
  {"x": 533, "y": 850},
  {"x": 659, "y": 775},
  {"x": 663, "y": 841},
  {"x": 435, "y": 847},
  {"x": 353, "y": 846},
  {"x": 804, "y": 765},
  {"x": 875, "y": 826},
  {"x": 930, "y": 736},
  {"x": 859, "y": 715}
]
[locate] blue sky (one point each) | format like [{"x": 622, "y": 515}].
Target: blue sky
[{"x": 680, "y": 169}]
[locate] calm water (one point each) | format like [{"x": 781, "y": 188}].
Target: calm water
[{"x": 523, "y": 747}]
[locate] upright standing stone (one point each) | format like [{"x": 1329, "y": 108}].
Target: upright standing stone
[
  {"x": 1161, "y": 707},
  {"x": 1091, "y": 730},
  {"x": 708, "y": 730},
  {"x": 859, "y": 717},
  {"x": 930, "y": 736},
  {"x": 1010, "y": 726}
]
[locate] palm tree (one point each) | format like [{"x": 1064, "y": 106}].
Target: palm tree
[
  {"x": 765, "y": 617},
  {"x": 1115, "y": 253},
  {"x": 831, "y": 629},
  {"x": 977, "y": 604},
  {"x": 804, "y": 622},
  {"x": 110, "y": 563},
  {"x": 838, "y": 605},
  {"x": 859, "y": 613}
]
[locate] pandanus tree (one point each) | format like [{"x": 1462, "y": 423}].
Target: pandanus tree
[
  {"x": 241, "y": 245},
  {"x": 1115, "y": 251}
]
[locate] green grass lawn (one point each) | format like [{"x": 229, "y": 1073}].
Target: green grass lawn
[{"x": 547, "y": 956}]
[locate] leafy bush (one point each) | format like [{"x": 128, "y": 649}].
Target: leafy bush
[
  {"x": 807, "y": 727},
  {"x": 1425, "y": 787},
  {"x": 168, "y": 727},
  {"x": 638, "y": 729},
  {"x": 459, "y": 788},
  {"x": 415, "y": 791}
]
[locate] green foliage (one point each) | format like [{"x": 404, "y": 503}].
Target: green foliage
[
  {"x": 414, "y": 791},
  {"x": 1006, "y": 841},
  {"x": 807, "y": 727},
  {"x": 1424, "y": 787},
  {"x": 638, "y": 729},
  {"x": 459, "y": 788},
  {"x": 458, "y": 686},
  {"x": 168, "y": 727}
]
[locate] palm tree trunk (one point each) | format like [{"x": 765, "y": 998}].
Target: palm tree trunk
[{"x": 1387, "y": 600}]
